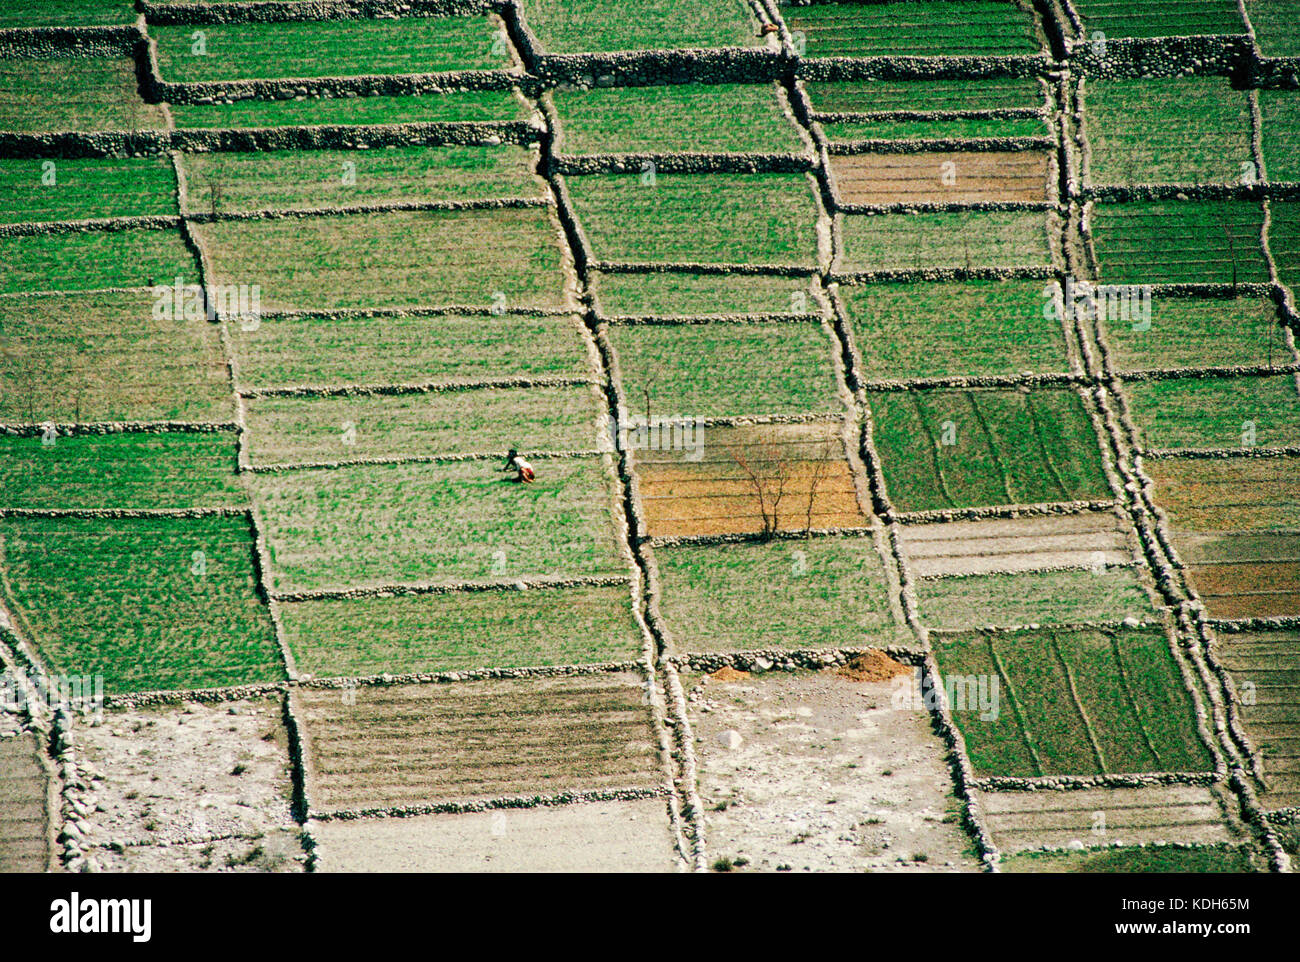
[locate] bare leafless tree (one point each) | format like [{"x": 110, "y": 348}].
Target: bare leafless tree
[
  {"x": 769, "y": 477},
  {"x": 821, "y": 470}
]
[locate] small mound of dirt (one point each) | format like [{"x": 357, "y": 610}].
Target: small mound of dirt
[
  {"x": 872, "y": 666},
  {"x": 727, "y": 673}
]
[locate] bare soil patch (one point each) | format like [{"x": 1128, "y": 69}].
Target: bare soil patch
[
  {"x": 751, "y": 478},
  {"x": 193, "y": 787},
  {"x": 827, "y": 776},
  {"x": 632, "y": 836},
  {"x": 1265, "y": 668},
  {"x": 25, "y": 836},
  {"x": 941, "y": 177},
  {"x": 1018, "y": 544},
  {"x": 873, "y": 666},
  {"x": 381, "y": 747},
  {"x": 1108, "y": 816}
]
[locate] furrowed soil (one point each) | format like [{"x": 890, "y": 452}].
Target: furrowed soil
[
  {"x": 923, "y": 178},
  {"x": 1265, "y": 670},
  {"x": 377, "y": 747},
  {"x": 26, "y": 840},
  {"x": 827, "y": 776},
  {"x": 630, "y": 836},
  {"x": 1018, "y": 544},
  {"x": 790, "y": 472},
  {"x": 1109, "y": 816}
]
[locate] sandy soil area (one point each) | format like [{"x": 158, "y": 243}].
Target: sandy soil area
[
  {"x": 813, "y": 771},
  {"x": 192, "y": 787},
  {"x": 592, "y": 837}
]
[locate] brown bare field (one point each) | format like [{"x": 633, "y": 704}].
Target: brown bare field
[
  {"x": 1017, "y": 544},
  {"x": 1107, "y": 816},
  {"x": 1235, "y": 524},
  {"x": 1265, "y": 667},
  {"x": 1230, "y": 494},
  {"x": 1260, "y": 589},
  {"x": 979, "y": 177},
  {"x": 827, "y": 775},
  {"x": 193, "y": 787},
  {"x": 632, "y": 836},
  {"x": 382, "y": 747},
  {"x": 748, "y": 479},
  {"x": 25, "y": 842}
]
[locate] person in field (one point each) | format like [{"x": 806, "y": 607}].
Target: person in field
[{"x": 524, "y": 473}]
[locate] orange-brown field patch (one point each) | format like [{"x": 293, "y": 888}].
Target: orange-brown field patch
[
  {"x": 1235, "y": 523},
  {"x": 941, "y": 177},
  {"x": 408, "y": 745},
  {"x": 778, "y": 477}
]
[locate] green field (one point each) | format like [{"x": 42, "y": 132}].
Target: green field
[
  {"x": 49, "y": 190},
  {"x": 1179, "y": 242},
  {"x": 462, "y": 106},
  {"x": 949, "y": 239},
  {"x": 1216, "y": 412},
  {"x": 1160, "y": 18},
  {"x": 1276, "y": 29},
  {"x": 79, "y": 93},
  {"x": 1136, "y": 860},
  {"x": 965, "y": 95},
  {"x": 480, "y": 258},
  {"x": 1198, "y": 332},
  {"x": 755, "y": 219},
  {"x": 142, "y": 471},
  {"x": 818, "y": 593},
  {"x": 715, "y": 118},
  {"x": 296, "y": 430},
  {"x": 1009, "y": 447},
  {"x": 403, "y": 523},
  {"x": 724, "y": 370},
  {"x": 104, "y": 357},
  {"x": 67, "y": 13},
  {"x": 343, "y": 48},
  {"x": 678, "y": 294},
  {"x": 603, "y": 26},
  {"x": 94, "y": 260},
  {"x": 935, "y": 129},
  {"x": 978, "y": 327},
  {"x": 1182, "y": 130},
  {"x": 461, "y": 630},
  {"x": 1284, "y": 242},
  {"x": 1032, "y": 598},
  {"x": 894, "y": 28},
  {"x": 320, "y": 350},
  {"x": 1075, "y": 703},
  {"x": 148, "y": 603},
  {"x": 339, "y": 178},
  {"x": 1279, "y": 112}
]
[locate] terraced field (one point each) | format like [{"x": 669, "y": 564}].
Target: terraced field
[
  {"x": 26, "y": 842},
  {"x": 1265, "y": 667},
  {"x": 1117, "y": 703},
  {"x": 425, "y": 745},
  {"x": 561, "y": 435},
  {"x": 750, "y": 479}
]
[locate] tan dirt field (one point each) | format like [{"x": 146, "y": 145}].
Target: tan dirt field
[
  {"x": 631, "y": 836},
  {"x": 422, "y": 744},
  {"x": 828, "y": 776},
  {"x": 25, "y": 837},
  {"x": 1265, "y": 668},
  {"x": 193, "y": 787},
  {"x": 744, "y": 468},
  {"x": 1249, "y": 590},
  {"x": 975, "y": 177},
  {"x": 1107, "y": 816},
  {"x": 1013, "y": 545}
]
